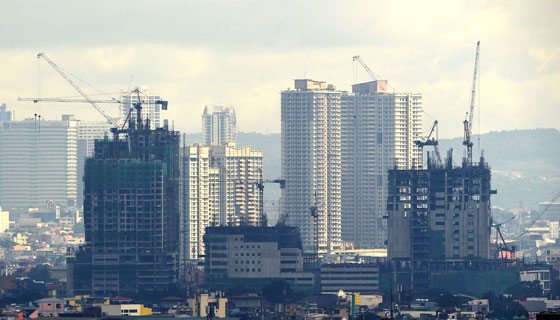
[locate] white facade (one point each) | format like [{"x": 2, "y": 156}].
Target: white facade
[
  {"x": 220, "y": 187},
  {"x": 39, "y": 163},
  {"x": 88, "y": 131},
  {"x": 542, "y": 276},
  {"x": 201, "y": 210},
  {"x": 378, "y": 133},
  {"x": 218, "y": 127},
  {"x": 4, "y": 220},
  {"x": 150, "y": 109},
  {"x": 6, "y": 115},
  {"x": 554, "y": 230},
  {"x": 311, "y": 153}
]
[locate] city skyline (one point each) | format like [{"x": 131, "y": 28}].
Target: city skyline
[
  {"x": 187, "y": 65},
  {"x": 280, "y": 160}
]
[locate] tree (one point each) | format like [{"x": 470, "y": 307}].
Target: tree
[
  {"x": 447, "y": 300},
  {"x": 41, "y": 272},
  {"x": 277, "y": 291},
  {"x": 524, "y": 289},
  {"x": 503, "y": 307}
]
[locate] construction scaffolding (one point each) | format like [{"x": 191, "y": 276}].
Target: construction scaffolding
[
  {"x": 131, "y": 214},
  {"x": 441, "y": 213}
]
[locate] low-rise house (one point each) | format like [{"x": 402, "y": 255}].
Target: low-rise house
[
  {"x": 248, "y": 303},
  {"x": 48, "y": 307},
  {"x": 423, "y": 304},
  {"x": 537, "y": 304},
  {"x": 172, "y": 302},
  {"x": 125, "y": 310},
  {"x": 478, "y": 305},
  {"x": 204, "y": 305}
]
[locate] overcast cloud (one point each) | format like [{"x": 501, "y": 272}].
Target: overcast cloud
[{"x": 243, "y": 53}]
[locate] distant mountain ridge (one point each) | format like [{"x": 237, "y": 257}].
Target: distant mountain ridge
[{"x": 525, "y": 163}]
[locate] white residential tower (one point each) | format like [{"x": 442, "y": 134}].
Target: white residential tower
[
  {"x": 310, "y": 116},
  {"x": 221, "y": 186},
  {"x": 218, "y": 127},
  {"x": 378, "y": 133}
]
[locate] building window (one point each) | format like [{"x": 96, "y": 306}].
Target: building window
[{"x": 379, "y": 138}]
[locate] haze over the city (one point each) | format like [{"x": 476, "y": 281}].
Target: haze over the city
[{"x": 242, "y": 54}]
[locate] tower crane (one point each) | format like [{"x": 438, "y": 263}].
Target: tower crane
[
  {"x": 70, "y": 100},
  {"x": 372, "y": 75},
  {"x": 504, "y": 247},
  {"x": 260, "y": 185},
  {"x": 60, "y": 71},
  {"x": 467, "y": 124},
  {"x": 314, "y": 210},
  {"x": 549, "y": 204},
  {"x": 431, "y": 141},
  {"x": 115, "y": 129},
  {"x": 368, "y": 70},
  {"x": 87, "y": 99},
  {"x": 163, "y": 103}
]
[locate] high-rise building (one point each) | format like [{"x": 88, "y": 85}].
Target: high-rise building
[
  {"x": 131, "y": 215},
  {"x": 378, "y": 133},
  {"x": 221, "y": 186},
  {"x": 6, "y": 115},
  {"x": 311, "y": 167},
  {"x": 218, "y": 127},
  {"x": 439, "y": 213},
  {"x": 4, "y": 220},
  {"x": 39, "y": 159},
  {"x": 151, "y": 109},
  {"x": 88, "y": 132},
  {"x": 200, "y": 199},
  {"x": 240, "y": 177}
]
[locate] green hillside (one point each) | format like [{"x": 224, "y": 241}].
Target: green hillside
[{"x": 525, "y": 163}]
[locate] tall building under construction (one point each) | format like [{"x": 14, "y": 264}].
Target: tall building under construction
[
  {"x": 131, "y": 214},
  {"x": 441, "y": 213}
]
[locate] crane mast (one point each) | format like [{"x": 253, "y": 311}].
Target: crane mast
[
  {"x": 60, "y": 71},
  {"x": 469, "y": 117}
]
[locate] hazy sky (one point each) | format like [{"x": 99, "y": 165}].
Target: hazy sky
[{"x": 243, "y": 53}]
